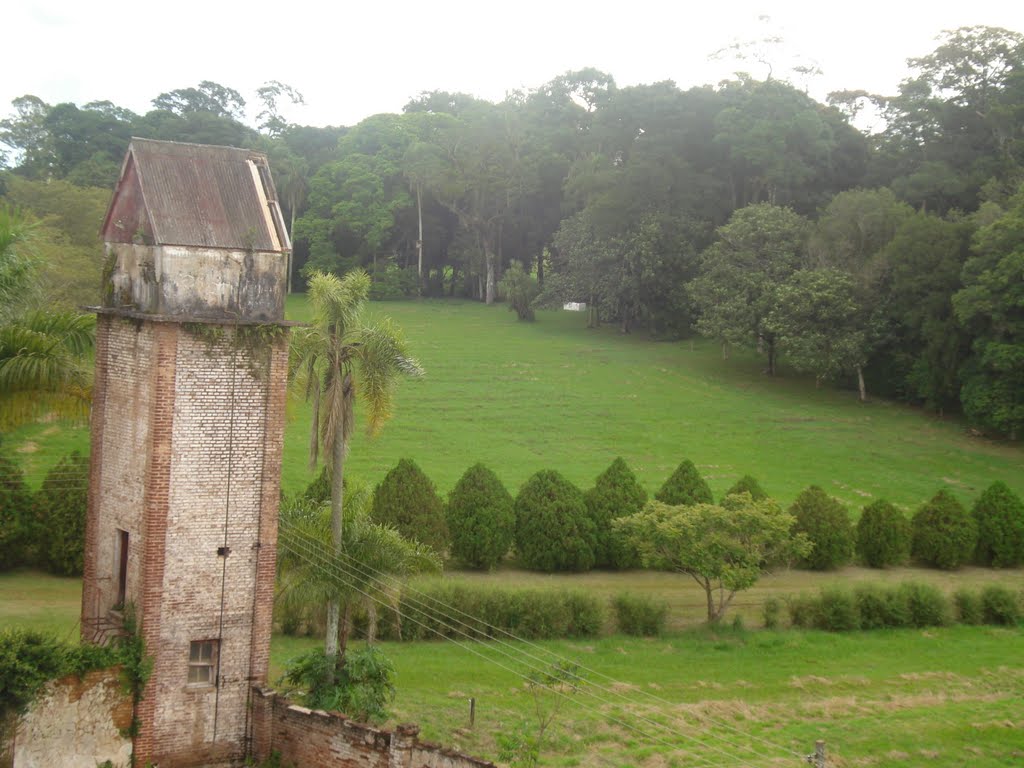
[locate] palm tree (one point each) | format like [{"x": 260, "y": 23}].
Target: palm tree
[
  {"x": 40, "y": 351},
  {"x": 364, "y": 572},
  {"x": 336, "y": 358}
]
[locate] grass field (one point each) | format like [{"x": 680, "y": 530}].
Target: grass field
[
  {"x": 944, "y": 697},
  {"x": 552, "y": 394}
]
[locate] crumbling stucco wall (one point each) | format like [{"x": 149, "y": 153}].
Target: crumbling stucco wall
[
  {"x": 77, "y": 723},
  {"x": 208, "y": 283}
]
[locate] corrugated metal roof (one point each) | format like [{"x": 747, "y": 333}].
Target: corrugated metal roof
[{"x": 207, "y": 196}]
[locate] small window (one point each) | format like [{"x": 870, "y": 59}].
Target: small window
[{"x": 202, "y": 662}]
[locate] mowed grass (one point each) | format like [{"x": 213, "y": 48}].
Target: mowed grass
[
  {"x": 553, "y": 394},
  {"x": 943, "y": 697}
]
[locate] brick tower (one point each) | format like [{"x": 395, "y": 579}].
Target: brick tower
[{"x": 187, "y": 429}]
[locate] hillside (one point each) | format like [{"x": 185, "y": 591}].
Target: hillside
[{"x": 552, "y": 394}]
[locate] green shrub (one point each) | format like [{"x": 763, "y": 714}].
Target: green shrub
[
  {"x": 485, "y": 612},
  {"x": 553, "y": 530},
  {"x": 881, "y": 608},
  {"x": 747, "y": 484},
  {"x": 944, "y": 534},
  {"x": 803, "y": 611},
  {"x": 639, "y": 616},
  {"x": 685, "y": 487},
  {"x": 967, "y": 606},
  {"x": 362, "y": 688},
  {"x": 837, "y": 611},
  {"x": 616, "y": 493},
  {"x": 406, "y": 499},
  {"x": 771, "y": 610},
  {"x": 999, "y": 605},
  {"x": 999, "y": 514},
  {"x": 393, "y": 282},
  {"x": 926, "y": 605},
  {"x": 826, "y": 523},
  {"x": 481, "y": 519},
  {"x": 883, "y": 535},
  {"x": 62, "y": 502},
  {"x": 17, "y": 517},
  {"x": 28, "y": 659}
]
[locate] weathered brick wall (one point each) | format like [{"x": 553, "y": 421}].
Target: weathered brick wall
[
  {"x": 186, "y": 457},
  {"x": 76, "y": 723},
  {"x": 121, "y": 422},
  {"x": 222, "y": 428},
  {"x": 315, "y": 739}
]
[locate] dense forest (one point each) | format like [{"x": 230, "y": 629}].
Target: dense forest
[{"x": 890, "y": 262}]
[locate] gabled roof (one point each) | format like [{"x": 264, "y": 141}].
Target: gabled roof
[{"x": 195, "y": 195}]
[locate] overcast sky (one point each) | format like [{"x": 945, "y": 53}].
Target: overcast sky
[{"x": 352, "y": 59}]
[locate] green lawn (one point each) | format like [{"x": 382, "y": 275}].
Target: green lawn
[
  {"x": 943, "y": 697},
  {"x": 552, "y": 394}
]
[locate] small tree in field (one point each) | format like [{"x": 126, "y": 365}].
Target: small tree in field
[
  {"x": 747, "y": 484},
  {"x": 999, "y": 514},
  {"x": 827, "y": 525},
  {"x": 944, "y": 534},
  {"x": 481, "y": 519},
  {"x": 406, "y": 499},
  {"x": 553, "y": 530},
  {"x": 616, "y": 493},
  {"x": 723, "y": 548},
  {"x": 520, "y": 290},
  {"x": 883, "y": 535},
  {"x": 685, "y": 486}
]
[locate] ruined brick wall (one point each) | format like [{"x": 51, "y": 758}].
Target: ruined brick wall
[
  {"x": 76, "y": 723},
  {"x": 186, "y": 458},
  {"x": 121, "y": 423},
  {"x": 314, "y": 739}
]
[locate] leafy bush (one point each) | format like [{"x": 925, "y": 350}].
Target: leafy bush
[
  {"x": 28, "y": 660},
  {"x": 406, "y": 499},
  {"x": 837, "y": 611},
  {"x": 685, "y": 487},
  {"x": 17, "y": 513},
  {"x": 553, "y": 530},
  {"x": 944, "y": 534},
  {"x": 62, "y": 502},
  {"x": 803, "y": 611},
  {"x": 825, "y": 522},
  {"x": 362, "y": 688},
  {"x": 883, "y": 535},
  {"x": 616, "y": 493},
  {"x": 394, "y": 283},
  {"x": 481, "y": 519},
  {"x": 967, "y": 607},
  {"x": 519, "y": 289},
  {"x": 880, "y": 608},
  {"x": 999, "y": 514},
  {"x": 926, "y": 605},
  {"x": 1000, "y": 605},
  {"x": 747, "y": 484},
  {"x": 483, "y": 612},
  {"x": 770, "y": 612},
  {"x": 639, "y": 616}
]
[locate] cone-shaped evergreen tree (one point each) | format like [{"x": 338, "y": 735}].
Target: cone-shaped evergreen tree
[
  {"x": 553, "y": 530},
  {"x": 616, "y": 493},
  {"x": 481, "y": 520},
  {"x": 406, "y": 499},
  {"x": 747, "y": 484},
  {"x": 685, "y": 487},
  {"x": 945, "y": 535},
  {"x": 999, "y": 514}
]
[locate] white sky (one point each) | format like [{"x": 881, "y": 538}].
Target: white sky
[{"x": 353, "y": 59}]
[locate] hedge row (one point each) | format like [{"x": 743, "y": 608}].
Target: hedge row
[{"x": 905, "y": 605}]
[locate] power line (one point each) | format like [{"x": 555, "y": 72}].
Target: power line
[
  {"x": 316, "y": 545},
  {"x": 383, "y": 577}
]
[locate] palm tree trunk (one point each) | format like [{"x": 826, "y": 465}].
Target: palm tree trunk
[{"x": 331, "y": 646}]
